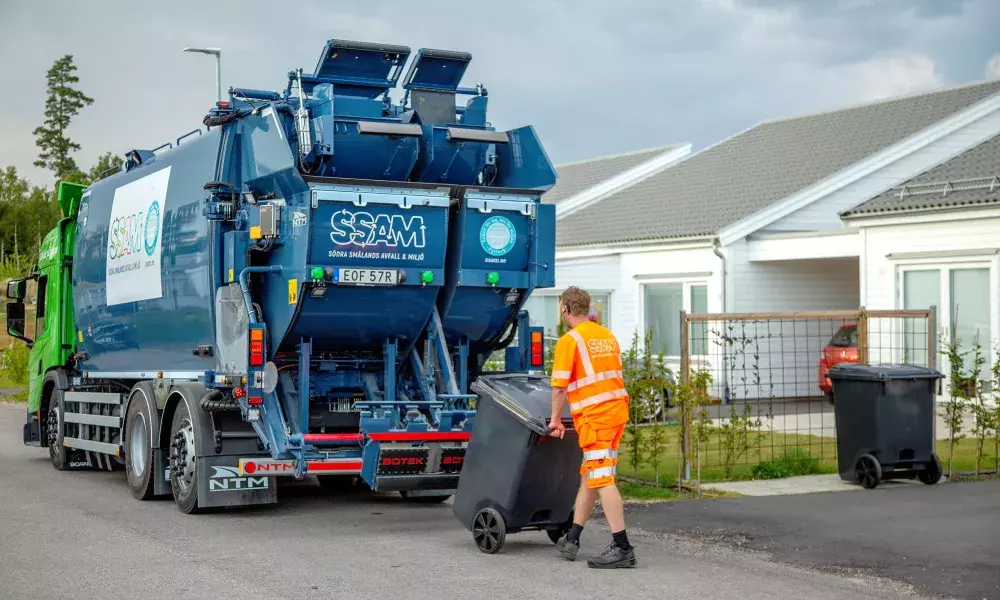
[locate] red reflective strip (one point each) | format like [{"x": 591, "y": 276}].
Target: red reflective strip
[
  {"x": 332, "y": 437},
  {"x": 319, "y": 466},
  {"x": 426, "y": 436},
  {"x": 255, "y": 400}
]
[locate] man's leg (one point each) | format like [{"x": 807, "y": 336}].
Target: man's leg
[
  {"x": 569, "y": 545},
  {"x": 619, "y": 553}
]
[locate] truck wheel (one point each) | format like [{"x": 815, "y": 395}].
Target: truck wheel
[
  {"x": 53, "y": 432},
  {"x": 138, "y": 451},
  {"x": 183, "y": 460}
]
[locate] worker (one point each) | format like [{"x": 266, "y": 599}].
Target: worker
[{"x": 587, "y": 373}]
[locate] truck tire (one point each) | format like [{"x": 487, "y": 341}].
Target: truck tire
[
  {"x": 54, "y": 433},
  {"x": 183, "y": 460},
  {"x": 138, "y": 450}
]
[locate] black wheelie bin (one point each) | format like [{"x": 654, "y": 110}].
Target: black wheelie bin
[
  {"x": 885, "y": 422},
  {"x": 515, "y": 476}
]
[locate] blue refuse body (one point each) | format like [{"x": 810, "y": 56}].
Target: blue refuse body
[
  {"x": 885, "y": 422},
  {"x": 516, "y": 477}
]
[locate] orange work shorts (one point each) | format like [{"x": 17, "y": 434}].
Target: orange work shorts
[{"x": 600, "y": 453}]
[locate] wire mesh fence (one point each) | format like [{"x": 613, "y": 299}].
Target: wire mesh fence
[{"x": 763, "y": 398}]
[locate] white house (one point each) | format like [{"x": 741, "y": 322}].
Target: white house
[
  {"x": 935, "y": 241},
  {"x": 582, "y": 183},
  {"x": 753, "y": 223}
]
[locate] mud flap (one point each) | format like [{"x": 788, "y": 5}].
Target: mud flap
[
  {"x": 220, "y": 484},
  {"x": 161, "y": 472},
  {"x": 32, "y": 431}
]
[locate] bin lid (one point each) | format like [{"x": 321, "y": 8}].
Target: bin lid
[
  {"x": 856, "y": 372},
  {"x": 527, "y": 397}
]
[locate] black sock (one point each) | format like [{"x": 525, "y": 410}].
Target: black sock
[
  {"x": 621, "y": 540},
  {"x": 574, "y": 533}
]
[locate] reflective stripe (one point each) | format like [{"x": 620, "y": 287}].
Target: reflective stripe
[
  {"x": 600, "y": 454},
  {"x": 584, "y": 354},
  {"x": 601, "y": 473},
  {"x": 579, "y": 383},
  {"x": 597, "y": 399},
  {"x": 561, "y": 374}
]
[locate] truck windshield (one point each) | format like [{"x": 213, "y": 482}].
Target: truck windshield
[{"x": 266, "y": 147}]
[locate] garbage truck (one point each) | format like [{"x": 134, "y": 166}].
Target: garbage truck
[{"x": 308, "y": 286}]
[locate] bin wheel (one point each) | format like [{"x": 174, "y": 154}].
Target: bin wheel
[
  {"x": 932, "y": 474},
  {"x": 489, "y": 531},
  {"x": 868, "y": 471}
]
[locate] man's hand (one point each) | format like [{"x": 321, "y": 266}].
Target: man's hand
[{"x": 556, "y": 427}]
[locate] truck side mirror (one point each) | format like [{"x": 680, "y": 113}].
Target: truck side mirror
[
  {"x": 15, "y": 321},
  {"x": 17, "y": 288}
]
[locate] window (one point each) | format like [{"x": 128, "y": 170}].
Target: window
[
  {"x": 266, "y": 149},
  {"x": 40, "y": 307},
  {"x": 543, "y": 311},
  {"x": 965, "y": 302},
  {"x": 662, "y": 305}
]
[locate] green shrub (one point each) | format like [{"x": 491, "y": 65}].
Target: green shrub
[
  {"x": 792, "y": 463},
  {"x": 14, "y": 364}
]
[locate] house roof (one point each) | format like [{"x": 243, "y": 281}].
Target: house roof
[
  {"x": 969, "y": 180},
  {"x": 575, "y": 177},
  {"x": 733, "y": 179}
]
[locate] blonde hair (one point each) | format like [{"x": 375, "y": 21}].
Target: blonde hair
[{"x": 576, "y": 301}]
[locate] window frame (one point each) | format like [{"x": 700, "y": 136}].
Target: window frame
[{"x": 686, "y": 285}]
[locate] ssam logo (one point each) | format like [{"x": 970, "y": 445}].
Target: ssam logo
[
  {"x": 135, "y": 234},
  {"x": 227, "y": 479},
  {"x": 367, "y": 230}
]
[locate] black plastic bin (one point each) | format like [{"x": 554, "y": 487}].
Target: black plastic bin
[
  {"x": 885, "y": 423},
  {"x": 515, "y": 476}
]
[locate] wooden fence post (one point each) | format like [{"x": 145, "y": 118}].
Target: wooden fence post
[
  {"x": 863, "y": 337},
  {"x": 685, "y": 381}
]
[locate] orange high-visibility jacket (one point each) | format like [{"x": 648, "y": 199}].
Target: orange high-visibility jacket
[{"x": 588, "y": 363}]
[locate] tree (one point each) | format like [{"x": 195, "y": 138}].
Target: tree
[
  {"x": 62, "y": 104},
  {"x": 104, "y": 163}
]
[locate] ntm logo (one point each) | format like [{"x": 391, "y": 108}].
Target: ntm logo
[
  {"x": 363, "y": 229},
  {"x": 227, "y": 479}
]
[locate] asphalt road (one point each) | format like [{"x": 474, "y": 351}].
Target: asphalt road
[
  {"x": 943, "y": 539},
  {"x": 80, "y": 535}
]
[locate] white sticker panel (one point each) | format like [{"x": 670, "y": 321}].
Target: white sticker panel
[{"x": 135, "y": 237}]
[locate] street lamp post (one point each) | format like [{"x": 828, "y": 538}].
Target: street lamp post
[{"x": 217, "y": 52}]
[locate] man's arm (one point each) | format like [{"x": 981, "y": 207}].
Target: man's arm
[
  {"x": 559, "y": 399},
  {"x": 562, "y": 371}
]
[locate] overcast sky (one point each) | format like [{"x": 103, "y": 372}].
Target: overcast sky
[{"x": 594, "y": 77}]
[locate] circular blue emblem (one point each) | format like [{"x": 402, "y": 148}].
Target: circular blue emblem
[
  {"x": 152, "y": 233},
  {"x": 497, "y": 236}
]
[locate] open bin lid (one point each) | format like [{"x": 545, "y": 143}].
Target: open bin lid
[
  {"x": 527, "y": 397},
  {"x": 856, "y": 372}
]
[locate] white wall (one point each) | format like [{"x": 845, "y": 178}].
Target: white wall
[
  {"x": 823, "y": 214},
  {"x": 787, "y": 352},
  {"x": 967, "y": 238}
]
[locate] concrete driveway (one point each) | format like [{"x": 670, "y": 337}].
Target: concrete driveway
[{"x": 80, "y": 535}]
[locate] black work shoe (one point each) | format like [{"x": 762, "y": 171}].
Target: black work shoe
[
  {"x": 613, "y": 557},
  {"x": 568, "y": 549}
]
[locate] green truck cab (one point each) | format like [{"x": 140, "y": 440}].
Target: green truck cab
[{"x": 54, "y": 337}]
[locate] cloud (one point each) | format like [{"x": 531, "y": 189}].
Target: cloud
[
  {"x": 993, "y": 67},
  {"x": 594, "y": 77}
]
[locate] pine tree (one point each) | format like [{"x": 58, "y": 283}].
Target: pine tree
[{"x": 63, "y": 103}]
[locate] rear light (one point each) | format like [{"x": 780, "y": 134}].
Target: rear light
[
  {"x": 255, "y": 400},
  {"x": 537, "y": 354},
  {"x": 239, "y": 393},
  {"x": 256, "y": 347}
]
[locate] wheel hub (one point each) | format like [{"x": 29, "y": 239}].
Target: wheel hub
[
  {"x": 138, "y": 445},
  {"x": 182, "y": 456},
  {"x": 52, "y": 428},
  {"x": 486, "y": 531}
]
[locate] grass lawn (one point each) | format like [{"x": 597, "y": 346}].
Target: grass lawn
[
  {"x": 647, "y": 493},
  {"x": 768, "y": 446}
]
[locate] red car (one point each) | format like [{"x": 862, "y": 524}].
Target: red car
[{"x": 842, "y": 348}]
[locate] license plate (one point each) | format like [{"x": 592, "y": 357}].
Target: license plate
[{"x": 367, "y": 276}]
